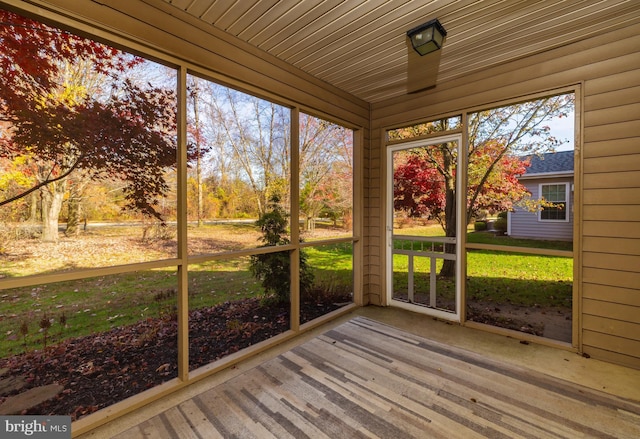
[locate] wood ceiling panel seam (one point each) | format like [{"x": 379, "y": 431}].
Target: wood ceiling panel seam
[
  {"x": 364, "y": 58},
  {"x": 237, "y": 43},
  {"x": 208, "y": 14},
  {"x": 256, "y": 10},
  {"x": 382, "y": 65},
  {"x": 393, "y": 75},
  {"x": 333, "y": 17},
  {"x": 463, "y": 28},
  {"x": 355, "y": 55},
  {"x": 613, "y": 20},
  {"x": 495, "y": 35},
  {"x": 381, "y": 92},
  {"x": 266, "y": 20},
  {"x": 310, "y": 29},
  {"x": 182, "y": 4},
  {"x": 290, "y": 32},
  {"x": 221, "y": 10},
  {"x": 469, "y": 14},
  {"x": 334, "y": 79},
  {"x": 278, "y": 25},
  {"x": 197, "y": 7},
  {"x": 532, "y": 12},
  {"x": 340, "y": 33},
  {"x": 337, "y": 61},
  {"x": 355, "y": 50},
  {"x": 381, "y": 74},
  {"x": 397, "y": 30}
]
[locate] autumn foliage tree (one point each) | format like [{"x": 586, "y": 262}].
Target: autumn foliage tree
[
  {"x": 417, "y": 188},
  {"x": 326, "y": 171},
  {"x": 119, "y": 130},
  {"x": 424, "y": 180}
]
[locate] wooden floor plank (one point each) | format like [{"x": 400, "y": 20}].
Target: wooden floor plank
[
  {"x": 285, "y": 418},
  {"x": 199, "y": 420},
  {"x": 180, "y": 424},
  {"x": 365, "y": 379}
]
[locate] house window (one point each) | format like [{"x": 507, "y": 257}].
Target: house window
[{"x": 557, "y": 194}]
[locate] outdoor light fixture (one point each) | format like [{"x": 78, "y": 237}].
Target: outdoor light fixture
[{"x": 427, "y": 37}]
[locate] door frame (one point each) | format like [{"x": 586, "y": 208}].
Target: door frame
[{"x": 460, "y": 219}]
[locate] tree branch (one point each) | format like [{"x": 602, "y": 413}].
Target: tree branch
[{"x": 42, "y": 184}]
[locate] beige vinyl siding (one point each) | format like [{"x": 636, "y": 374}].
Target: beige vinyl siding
[
  {"x": 611, "y": 322},
  {"x": 607, "y": 175},
  {"x": 374, "y": 224}
]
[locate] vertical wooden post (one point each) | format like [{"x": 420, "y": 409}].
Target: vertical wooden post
[
  {"x": 433, "y": 294},
  {"x": 410, "y": 280},
  {"x": 294, "y": 180},
  {"x": 183, "y": 272},
  {"x": 357, "y": 218},
  {"x": 463, "y": 172}
]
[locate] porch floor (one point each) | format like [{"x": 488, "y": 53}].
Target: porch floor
[{"x": 229, "y": 404}]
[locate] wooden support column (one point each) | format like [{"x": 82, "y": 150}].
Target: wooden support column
[
  {"x": 294, "y": 180},
  {"x": 183, "y": 253}
]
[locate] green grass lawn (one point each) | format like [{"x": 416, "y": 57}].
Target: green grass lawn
[
  {"x": 97, "y": 304},
  {"x": 93, "y": 305},
  {"x": 494, "y": 276},
  {"x": 519, "y": 279}
]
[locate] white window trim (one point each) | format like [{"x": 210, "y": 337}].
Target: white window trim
[{"x": 567, "y": 197}]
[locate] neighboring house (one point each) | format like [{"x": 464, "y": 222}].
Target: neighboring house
[{"x": 549, "y": 177}]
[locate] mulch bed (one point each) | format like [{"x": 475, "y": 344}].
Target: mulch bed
[
  {"x": 102, "y": 369},
  {"x": 493, "y": 316}
]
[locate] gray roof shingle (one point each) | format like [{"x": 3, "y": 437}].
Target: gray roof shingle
[{"x": 561, "y": 161}]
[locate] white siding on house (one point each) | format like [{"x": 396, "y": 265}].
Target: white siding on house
[{"x": 525, "y": 224}]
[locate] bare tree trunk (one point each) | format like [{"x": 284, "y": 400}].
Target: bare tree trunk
[
  {"x": 199, "y": 183},
  {"x": 200, "y": 208},
  {"x": 73, "y": 216},
  {"x": 449, "y": 266},
  {"x": 52, "y": 197},
  {"x": 76, "y": 194},
  {"x": 33, "y": 208}
]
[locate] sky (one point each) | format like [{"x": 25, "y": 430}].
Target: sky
[{"x": 563, "y": 129}]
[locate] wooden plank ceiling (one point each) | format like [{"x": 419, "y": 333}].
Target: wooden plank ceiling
[{"x": 360, "y": 45}]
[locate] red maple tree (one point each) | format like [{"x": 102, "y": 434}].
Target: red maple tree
[
  {"x": 419, "y": 186},
  {"x": 125, "y": 130}
]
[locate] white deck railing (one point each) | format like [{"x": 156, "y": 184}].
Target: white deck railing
[{"x": 432, "y": 247}]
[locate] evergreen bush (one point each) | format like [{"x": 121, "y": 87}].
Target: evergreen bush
[
  {"x": 479, "y": 226},
  {"x": 273, "y": 269}
]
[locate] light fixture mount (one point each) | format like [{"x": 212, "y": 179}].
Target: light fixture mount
[{"x": 427, "y": 37}]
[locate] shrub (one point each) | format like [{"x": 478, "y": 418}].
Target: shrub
[
  {"x": 273, "y": 270},
  {"x": 503, "y": 215},
  {"x": 479, "y": 226},
  {"x": 500, "y": 225}
]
